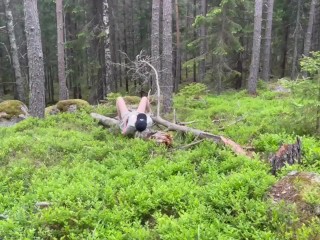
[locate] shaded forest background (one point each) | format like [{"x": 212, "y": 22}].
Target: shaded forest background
[{"x": 211, "y": 42}]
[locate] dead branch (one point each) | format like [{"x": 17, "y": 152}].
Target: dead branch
[
  {"x": 232, "y": 123},
  {"x": 191, "y": 144},
  {"x": 105, "y": 121},
  {"x": 236, "y": 148}
]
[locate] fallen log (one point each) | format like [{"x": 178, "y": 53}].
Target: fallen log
[{"x": 235, "y": 147}]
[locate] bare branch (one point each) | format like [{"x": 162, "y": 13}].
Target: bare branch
[{"x": 8, "y": 54}]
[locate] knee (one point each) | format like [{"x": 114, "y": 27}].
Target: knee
[
  {"x": 119, "y": 99},
  {"x": 144, "y": 99}
]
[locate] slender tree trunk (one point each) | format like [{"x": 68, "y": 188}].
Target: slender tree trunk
[
  {"x": 63, "y": 89},
  {"x": 155, "y": 38},
  {"x": 203, "y": 42},
  {"x": 285, "y": 50},
  {"x": 20, "y": 89},
  {"x": 125, "y": 38},
  {"x": 267, "y": 43},
  {"x": 295, "y": 46},
  {"x": 178, "y": 52},
  {"x": 35, "y": 59},
  {"x": 166, "y": 82},
  {"x": 255, "y": 58},
  {"x": 307, "y": 40},
  {"x": 195, "y": 36},
  {"x": 107, "y": 52}
]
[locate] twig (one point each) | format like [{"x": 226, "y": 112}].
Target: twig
[
  {"x": 218, "y": 120},
  {"x": 187, "y": 123},
  {"x": 158, "y": 86},
  {"x": 6, "y": 51},
  {"x": 191, "y": 144},
  {"x": 234, "y": 122}
]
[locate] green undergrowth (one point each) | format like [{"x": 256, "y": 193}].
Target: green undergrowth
[{"x": 101, "y": 185}]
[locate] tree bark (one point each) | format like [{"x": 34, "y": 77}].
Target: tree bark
[
  {"x": 203, "y": 42},
  {"x": 155, "y": 39},
  {"x": 178, "y": 52},
  {"x": 63, "y": 89},
  {"x": 166, "y": 82},
  {"x": 267, "y": 43},
  {"x": 295, "y": 46},
  {"x": 35, "y": 59},
  {"x": 255, "y": 59},
  {"x": 20, "y": 82},
  {"x": 107, "y": 51},
  {"x": 307, "y": 40}
]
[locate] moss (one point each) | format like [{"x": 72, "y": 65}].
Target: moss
[
  {"x": 64, "y": 105},
  {"x": 132, "y": 100},
  {"x": 50, "y": 109},
  {"x": 12, "y": 108}
]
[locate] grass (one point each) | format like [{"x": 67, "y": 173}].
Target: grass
[{"x": 102, "y": 185}]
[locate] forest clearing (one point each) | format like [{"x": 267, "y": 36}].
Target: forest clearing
[{"x": 93, "y": 183}]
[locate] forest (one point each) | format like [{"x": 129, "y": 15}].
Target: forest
[
  {"x": 234, "y": 87},
  {"x": 87, "y": 49}
]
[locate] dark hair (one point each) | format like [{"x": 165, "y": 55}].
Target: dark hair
[{"x": 141, "y": 123}]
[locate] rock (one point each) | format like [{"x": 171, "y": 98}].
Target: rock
[
  {"x": 12, "y": 112},
  {"x": 3, "y": 217},
  {"x": 52, "y": 110},
  {"x": 301, "y": 189},
  {"x": 71, "y": 105}
]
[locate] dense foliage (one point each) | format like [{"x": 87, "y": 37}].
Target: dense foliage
[{"x": 101, "y": 185}]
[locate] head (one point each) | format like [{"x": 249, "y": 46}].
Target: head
[{"x": 141, "y": 123}]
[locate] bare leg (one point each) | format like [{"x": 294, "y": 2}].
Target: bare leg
[
  {"x": 144, "y": 105},
  {"x": 121, "y": 107}
]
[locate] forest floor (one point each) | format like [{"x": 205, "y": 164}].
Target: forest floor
[{"x": 68, "y": 177}]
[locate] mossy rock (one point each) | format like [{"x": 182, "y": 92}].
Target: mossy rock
[
  {"x": 65, "y": 105},
  {"x": 51, "y": 110},
  {"x": 301, "y": 189},
  {"x": 132, "y": 100},
  {"x": 13, "y": 108}
]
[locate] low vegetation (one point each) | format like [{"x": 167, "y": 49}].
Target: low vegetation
[{"x": 100, "y": 185}]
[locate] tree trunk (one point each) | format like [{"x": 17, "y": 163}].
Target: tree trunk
[
  {"x": 296, "y": 39},
  {"x": 20, "y": 89},
  {"x": 178, "y": 52},
  {"x": 285, "y": 50},
  {"x": 307, "y": 40},
  {"x": 35, "y": 59},
  {"x": 125, "y": 46},
  {"x": 107, "y": 51},
  {"x": 166, "y": 83},
  {"x": 195, "y": 37},
  {"x": 267, "y": 43},
  {"x": 203, "y": 42},
  {"x": 63, "y": 89},
  {"x": 155, "y": 39},
  {"x": 255, "y": 59}
]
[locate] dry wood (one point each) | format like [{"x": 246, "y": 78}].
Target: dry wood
[
  {"x": 287, "y": 154},
  {"x": 236, "y": 148}
]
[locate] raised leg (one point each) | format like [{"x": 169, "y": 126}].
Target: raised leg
[
  {"x": 144, "y": 105},
  {"x": 121, "y": 107}
]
